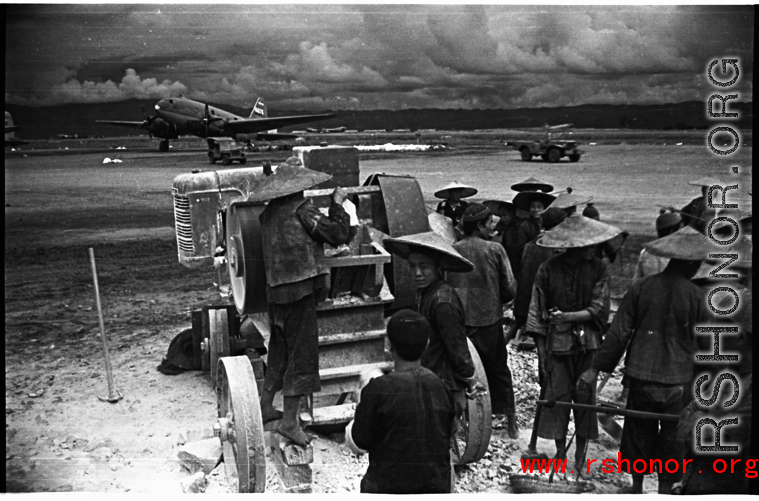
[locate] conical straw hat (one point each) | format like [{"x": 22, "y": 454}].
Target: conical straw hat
[
  {"x": 290, "y": 177},
  {"x": 532, "y": 184},
  {"x": 466, "y": 191},
  {"x": 428, "y": 241},
  {"x": 567, "y": 200},
  {"x": 686, "y": 244},
  {"x": 578, "y": 231},
  {"x": 524, "y": 199}
]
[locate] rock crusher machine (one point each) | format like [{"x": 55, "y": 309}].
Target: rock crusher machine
[{"x": 216, "y": 227}]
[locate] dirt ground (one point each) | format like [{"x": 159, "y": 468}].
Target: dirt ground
[{"x": 61, "y": 437}]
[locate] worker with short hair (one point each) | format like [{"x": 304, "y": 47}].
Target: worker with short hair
[
  {"x": 568, "y": 314},
  {"x": 291, "y": 228},
  {"x": 404, "y": 419},
  {"x": 448, "y": 352},
  {"x": 655, "y": 325},
  {"x": 483, "y": 293}
]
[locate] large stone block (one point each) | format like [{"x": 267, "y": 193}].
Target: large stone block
[{"x": 202, "y": 455}]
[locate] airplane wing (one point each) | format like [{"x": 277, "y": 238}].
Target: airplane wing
[
  {"x": 263, "y": 124},
  {"x": 262, "y": 136},
  {"x": 122, "y": 123}
]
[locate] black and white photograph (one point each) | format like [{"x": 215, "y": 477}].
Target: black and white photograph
[{"x": 379, "y": 248}]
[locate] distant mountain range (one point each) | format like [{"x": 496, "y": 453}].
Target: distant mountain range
[{"x": 49, "y": 122}]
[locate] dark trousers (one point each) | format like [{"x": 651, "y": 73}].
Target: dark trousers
[
  {"x": 563, "y": 371},
  {"x": 491, "y": 347},
  {"x": 293, "y": 352},
  {"x": 648, "y": 439}
]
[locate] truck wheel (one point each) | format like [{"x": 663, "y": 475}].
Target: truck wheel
[
  {"x": 225, "y": 159},
  {"x": 211, "y": 158},
  {"x": 243, "y": 160},
  {"x": 554, "y": 155},
  {"x": 574, "y": 157},
  {"x": 526, "y": 155}
]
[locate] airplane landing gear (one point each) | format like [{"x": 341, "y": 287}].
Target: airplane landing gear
[{"x": 163, "y": 146}]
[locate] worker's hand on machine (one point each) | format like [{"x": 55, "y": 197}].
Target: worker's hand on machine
[
  {"x": 475, "y": 389},
  {"x": 339, "y": 195},
  {"x": 587, "y": 380}
]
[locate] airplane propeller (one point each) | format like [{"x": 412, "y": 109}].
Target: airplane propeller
[{"x": 147, "y": 122}]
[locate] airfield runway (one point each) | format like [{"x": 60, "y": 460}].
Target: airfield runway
[{"x": 59, "y": 436}]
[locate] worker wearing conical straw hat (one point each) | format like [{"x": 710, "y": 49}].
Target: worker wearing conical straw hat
[
  {"x": 740, "y": 371},
  {"x": 656, "y": 324},
  {"x": 452, "y": 206},
  {"x": 649, "y": 264},
  {"x": 291, "y": 227},
  {"x": 509, "y": 239},
  {"x": 568, "y": 314},
  {"x": 568, "y": 202},
  {"x": 483, "y": 293},
  {"x": 447, "y": 355}
]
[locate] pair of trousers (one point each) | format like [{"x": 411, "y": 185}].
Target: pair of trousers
[{"x": 293, "y": 351}]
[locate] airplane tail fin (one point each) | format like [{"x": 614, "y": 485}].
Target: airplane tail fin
[
  {"x": 9, "y": 126},
  {"x": 259, "y": 109}
]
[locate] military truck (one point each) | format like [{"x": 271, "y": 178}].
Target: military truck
[
  {"x": 552, "y": 148},
  {"x": 226, "y": 150}
]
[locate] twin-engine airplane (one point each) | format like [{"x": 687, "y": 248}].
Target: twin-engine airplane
[{"x": 178, "y": 116}]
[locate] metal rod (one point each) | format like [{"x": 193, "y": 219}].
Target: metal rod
[
  {"x": 680, "y": 212},
  {"x": 112, "y": 394},
  {"x": 614, "y": 411}
]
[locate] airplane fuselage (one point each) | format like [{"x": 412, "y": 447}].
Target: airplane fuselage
[{"x": 180, "y": 116}]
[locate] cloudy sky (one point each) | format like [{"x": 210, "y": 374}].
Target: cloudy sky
[{"x": 373, "y": 56}]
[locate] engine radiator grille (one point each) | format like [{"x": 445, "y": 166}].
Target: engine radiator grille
[{"x": 183, "y": 223}]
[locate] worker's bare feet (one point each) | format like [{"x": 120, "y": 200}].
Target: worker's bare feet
[
  {"x": 295, "y": 433},
  {"x": 270, "y": 414}
]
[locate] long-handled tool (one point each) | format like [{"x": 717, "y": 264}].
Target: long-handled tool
[
  {"x": 607, "y": 423},
  {"x": 532, "y": 448},
  {"x": 113, "y": 395},
  {"x": 613, "y": 410}
]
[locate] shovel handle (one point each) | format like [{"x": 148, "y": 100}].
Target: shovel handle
[{"x": 613, "y": 410}]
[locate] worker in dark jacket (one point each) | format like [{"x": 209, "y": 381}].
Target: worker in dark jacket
[
  {"x": 701, "y": 478},
  {"x": 404, "y": 419},
  {"x": 452, "y": 206},
  {"x": 511, "y": 244},
  {"x": 655, "y": 324},
  {"x": 535, "y": 203},
  {"x": 448, "y": 352},
  {"x": 569, "y": 311},
  {"x": 483, "y": 292},
  {"x": 293, "y": 230},
  {"x": 532, "y": 257}
]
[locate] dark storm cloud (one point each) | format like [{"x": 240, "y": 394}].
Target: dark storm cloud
[{"x": 373, "y": 56}]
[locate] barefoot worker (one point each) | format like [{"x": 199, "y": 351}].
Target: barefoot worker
[
  {"x": 448, "y": 353},
  {"x": 568, "y": 314},
  {"x": 291, "y": 227},
  {"x": 656, "y": 325},
  {"x": 404, "y": 419}
]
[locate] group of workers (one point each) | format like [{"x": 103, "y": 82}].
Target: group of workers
[{"x": 536, "y": 253}]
